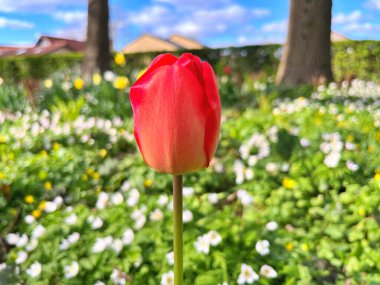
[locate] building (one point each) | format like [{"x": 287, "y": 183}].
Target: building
[
  {"x": 45, "y": 45},
  {"x": 150, "y": 43},
  {"x": 335, "y": 37}
]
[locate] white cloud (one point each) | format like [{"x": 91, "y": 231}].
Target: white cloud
[
  {"x": 193, "y": 4},
  {"x": 373, "y": 4},
  {"x": 275, "y": 27},
  {"x": 35, "y": 6},
  {"x": 15, "y": 24},
  {"x": 164, "y": 21},
  {"x": 261, "y": 12},
  {"x": 342, "y": 18},
  {"x": 71, "y": 16},
  {"x": 361, "y": 27}
]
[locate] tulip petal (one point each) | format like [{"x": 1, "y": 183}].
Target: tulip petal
[
  {"x": 170, "y": 120},
  {"x": 192, "y": 63},
  {"x": 214, "y": 115}
]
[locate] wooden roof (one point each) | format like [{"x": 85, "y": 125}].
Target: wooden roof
[{"x": 150, "y": 43}]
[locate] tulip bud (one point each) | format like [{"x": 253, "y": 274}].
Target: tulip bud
[{"x": 176, "y": 114}]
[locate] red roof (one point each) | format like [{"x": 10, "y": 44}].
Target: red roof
[{"x": 44, "y": 45}]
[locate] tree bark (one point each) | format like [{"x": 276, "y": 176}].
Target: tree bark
[
  {"x": 97, "y": 55},
  {"x": 307, "y": 53}
]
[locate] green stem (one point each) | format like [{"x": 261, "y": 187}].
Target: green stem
[{"x": 178, "y": 230}]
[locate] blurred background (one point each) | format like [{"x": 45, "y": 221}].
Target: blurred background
[{"x": 291, "y": 196}]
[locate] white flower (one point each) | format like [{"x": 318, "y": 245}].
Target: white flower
[
  {"x": 38, "y": 232},
  {"x": 268, "y": 271},
  {"x": 50, "y": 207},
  {"x": 21, "y": 257},
  {"x": 12, "y": 239},
  {"x": 239, "y": 170},
  {"x": 350, "y": 146},
  {"x": 214, "y": 238},
  {"x": 262, "y": 247},
  {"x": 34, "y": 270},
  {"x": 117, "y": 198},
  {"x": 139, "y": 218},
  {"x": 247, "y": 275},
  {"x": 71, "y": 270},
  {"x": 109, "y": 75},
  {"x": 73, "y": 238},
  {"x": 58, "y": 201},
  {"x": 125, "y": 186},
  {"x": 29, "y": 219},
  {"x": 170, "y": 257},
  {"x": 187, "y": 216},
  {"x": 99, "y": 283},
  {"x": 102, "y": 201},
  {"x": 3, "y": 266},
  {"x": 117, "y": 245},
  {"x": 71, "y": 220},
  {"x": 305, "y": 142},
  {"x": 202, "y": 244},
  {"x": 271, "y": 167},
  {"x": 128, "y": 236},
  {"x": 118, "y": 277},
  {"x": 138, "y": 262},
  {"x": 352, "y": 166},
  {"x": 224, "y": 283},
  {"x": 272, "y": 226},
  {"x": 219, "y": 167},
  {"x": 167, "y": 278},
  {"x": 33, "y": 243},
  {"x": 163, "y": 200},
  {"x": 96, "y": 222},
  {"x": 188, "y": 191},
  {"x": 332, "y": 160},
  {"x": 133, "y": 198},
  {"x": 244, "y": 197},
  {"x": 249, "y": 174},
  {"x": 156, "y": 215},
  {"x": 101, "y": 244},
  {"x": 252, "y": 160},
  {"x": 213, "y": 198}
]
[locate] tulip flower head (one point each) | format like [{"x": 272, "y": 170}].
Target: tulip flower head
[{"x": 176, "y": 112}]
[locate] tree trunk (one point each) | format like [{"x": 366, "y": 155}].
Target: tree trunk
[
  {"x": 97, "y": 55},
  {"x": 307, "y": 52}
]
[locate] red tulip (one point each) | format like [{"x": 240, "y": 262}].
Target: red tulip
[{"x": 176, "y": 114}]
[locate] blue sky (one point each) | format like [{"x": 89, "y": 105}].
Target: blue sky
[{"x": 215, "y": 23}]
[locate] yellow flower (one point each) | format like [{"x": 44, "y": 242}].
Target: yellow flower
[
  {"x": 90, "y": 171},
  {"x": 78, "y": 83},
  {"x": 371, "y": 148},
  {"x": 29, "y": 199},
  {"x": 84, "y": 177},
  {"x": 288, "y": 183},
  {"x": 44, "y": 153},
  {"x": 350, "y": 138},
  {"x": 289, "y": 246},
  {"x": 1, "y": 175},
  {"x": 148, "y": 183},
  {"x": 48, "y": 186},
  {"x": 361, "y": 212},
  {"x": 96, "y": 78},
  {"x": 36, "y": 213},
  {"x": 318, "y": 121},
  {"x": 120, "y": 59},
  {"x": 42, "y": 205},
  {"x": 103, "y": 153},
  {"x": 141, "y": 72},
  {"x": 377, "y": 176},
  {"x": 96, "y": 175},
  {"x": 121, "y": 82},
  {"x": 48, "y": 83},
  {"x": 56, "y": 146},
  {"x": 305, "y": 247},
  {"x": 3, "y": 139}
]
